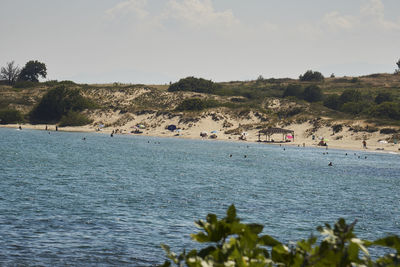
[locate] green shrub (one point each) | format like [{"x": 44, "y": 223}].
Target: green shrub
[
  {"x": 293, "y": 90},
  {"x": 229, "y": 242},
  {"x": 196, "y": 104},
  {"x": 58, "y": 102},
  {"x": 389, "y": 110},
  {"x": 312, "y": 93},
  {"x": 193, "y": 84},
  {"x": 312, "y": 76},
  {"x": 383, "y": 97},
  {"x": 332, "y": 102},
  {"x": 350, "y": 95},
  {"x": 8, "y": 116},
  {"x": 73, "y": 118}
]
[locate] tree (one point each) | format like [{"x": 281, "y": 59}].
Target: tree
[
  {"x": 311, "y": 76},
  {"x": 312, "y": 93},
  {"x": 10, "y": 72},
  {"x": 398, "y": 64},
  {"x": 32, "y": 70}
]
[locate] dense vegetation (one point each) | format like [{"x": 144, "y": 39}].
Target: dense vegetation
[
  {"x": 59, "y": 102},
  {"x": 228, "y": 242},
  {"x": 312, "y": 76},
  {"x": 193, "y": 84},
  {"x": 8, "y": 116}
]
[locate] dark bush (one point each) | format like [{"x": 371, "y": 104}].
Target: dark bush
[
  {"x": 311, "y": 76},
  {"x": 312, "y": 93},
  {"x": 332, "y": 102},
  {"x": 58, "y": 102},
  {"x": 8, "y": 116},
  {"x": 383, "y": 97},
  {"x": 293, "y": 90},
  {"x": 388, "y": 131},
  {"x": 73, "y": 118},
  {"x": 350, "y": 95},
  {"x": 193, "y": 84},
  {"x": 337, "y": 128}
]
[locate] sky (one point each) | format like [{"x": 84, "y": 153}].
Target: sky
[{"x": 161, "y": 41}]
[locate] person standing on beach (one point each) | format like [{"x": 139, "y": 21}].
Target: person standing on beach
[{"x": 364, "y": 144}]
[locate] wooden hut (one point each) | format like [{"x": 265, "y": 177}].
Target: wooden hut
[{"x": 271, "y": 131}]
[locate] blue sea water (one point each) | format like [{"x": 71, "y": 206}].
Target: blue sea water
[{"x": 112, "y": 201}]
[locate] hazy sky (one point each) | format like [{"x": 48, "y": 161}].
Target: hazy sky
[{"x": 157, "y": 41}]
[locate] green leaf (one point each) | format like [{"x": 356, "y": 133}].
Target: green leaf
[
  {"x": 267, "y": 240},
  {"x": 231, "y": 213},
  {"x": 392, "y": 241},
  {"x": 200, "y": 237},
  {"x": 255, "y": 228}
]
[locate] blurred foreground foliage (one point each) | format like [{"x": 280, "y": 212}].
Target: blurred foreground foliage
[{"x": 232, "y": 243}]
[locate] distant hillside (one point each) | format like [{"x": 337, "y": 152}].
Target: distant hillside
[{"x": 374, "y": 98}]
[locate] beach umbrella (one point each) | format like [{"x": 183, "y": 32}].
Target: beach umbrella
[
  {"x": 171, "y": 127},
  {"x": 141, "y": 126},
  {"x": 101, "y": 125},
  {"x": 289, "y": 137},
  {"x": 325, "y": 140},
  {"x": 245, "y": 133},
  {"x": 178, "y": 130},
  {"x": 214, "y": 132}
]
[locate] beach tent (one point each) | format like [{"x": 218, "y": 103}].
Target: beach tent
[
  {"x": 214, "y": 132},
  {"x": 271, "y": 131},
  {"x": 141, "y": 126},
  {"x": 171, "y": 127}
]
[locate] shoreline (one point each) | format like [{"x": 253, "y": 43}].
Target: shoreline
[{"x": 387, "y": 149}]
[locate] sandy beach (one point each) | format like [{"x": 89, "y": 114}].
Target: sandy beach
[{"x": 230, "y": 129}]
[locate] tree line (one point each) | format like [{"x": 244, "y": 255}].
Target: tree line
[{"x": 33, "y": 69}]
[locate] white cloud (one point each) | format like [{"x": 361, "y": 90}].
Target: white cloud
[
  {"x": 129, "y": 8},
  {"x": 374, "y": 11},
  {"x": 199, "y": 13},
  {"x": 372, "y": 14},
  {"x": 334, "y": 20}
]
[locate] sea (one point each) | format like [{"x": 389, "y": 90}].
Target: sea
[{"x": 88, "y": 199}]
